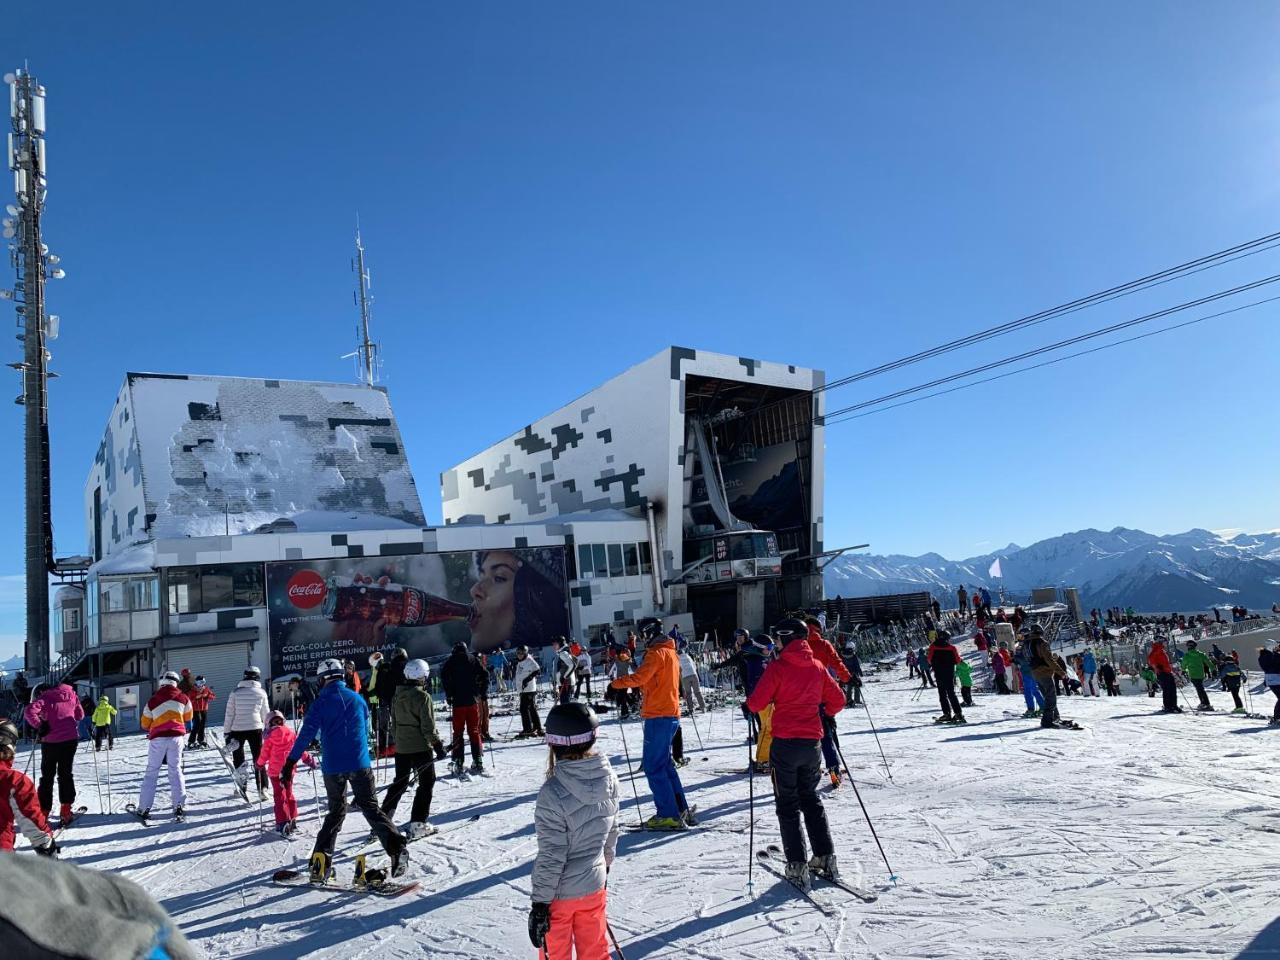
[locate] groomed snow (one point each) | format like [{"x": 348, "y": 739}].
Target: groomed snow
[{"x": 1141, "y": 836}]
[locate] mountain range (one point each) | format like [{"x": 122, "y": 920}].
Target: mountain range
[{"x": 1195, "y": 570}]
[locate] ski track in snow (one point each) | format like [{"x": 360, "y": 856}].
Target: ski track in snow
[{"x": 1140, "y": 836}]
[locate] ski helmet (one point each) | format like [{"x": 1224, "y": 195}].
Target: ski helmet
[
  {"x": 252, "y": 673},
  {"x": 375, "y": 658},
  {"x": 522, "y": 651},
  {"x": 651, "y": 630},
  {"x": 330, "y": 670},
  {"x": 276, "y": 718},
  {"x": 417, "y": 670},
  {"x": 170, "y": 679},
  {"x": 460, "y": 647},
  {"x": 944, "y": 636},
  {"x": 571, "y": 725},
  {"x": 400, "y": 654},
  {"x": 8, "y": 733},
  {"x": 790, "y": 629}
]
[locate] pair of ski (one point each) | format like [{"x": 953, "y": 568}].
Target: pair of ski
[
  {"x": 1059, "y": 724},
  {"x": 224, "y": 751},
  {"x": 76, "y": 814},
  {"x": 773, "y": 860},
  {"x": 951, "y": 720}
]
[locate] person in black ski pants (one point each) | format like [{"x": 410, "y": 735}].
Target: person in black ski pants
[
  {"x": 1269, "y": 664},
  {"x": 944, "y": 658}
]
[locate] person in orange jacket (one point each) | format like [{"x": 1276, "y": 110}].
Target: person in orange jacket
[
  {"x": 826, "y": 655},
  {"x": 1158, "y": 659},
  {"x": 658, "y": 679}
]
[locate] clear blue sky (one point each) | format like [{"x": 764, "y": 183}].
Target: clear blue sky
[{"x": 825, "y": 184}]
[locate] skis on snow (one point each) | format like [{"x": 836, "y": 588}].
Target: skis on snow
[
  {"x": 224, "y": 753},
  {"x": 863, "y": 894},
  {"x": 132, "y": 809}
]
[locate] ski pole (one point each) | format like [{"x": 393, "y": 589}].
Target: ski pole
[
  {"x": 877, "y": 736},
  {"x": 616, "y": 949},
  {"x": 111, "y": 804},
  {"x": 857, "y": 793},
  {"x": 694, "y": 721},
  {"x": 96, "y": 781},
  {"x": 315, "y": 792},
  {"x": 630, "y": 773},
  {"x": 751, "y": 829}
]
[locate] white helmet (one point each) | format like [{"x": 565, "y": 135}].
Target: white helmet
[
  {"x": 375, "y": 658},
  {"x": 330, "y": 670},
  {"x": 170, "y": 679},
  {"x": 252, "y": 673},
  {"x": 417, "y": 670}
]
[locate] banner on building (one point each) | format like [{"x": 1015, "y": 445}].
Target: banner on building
[{"x": 348, "y": 608}]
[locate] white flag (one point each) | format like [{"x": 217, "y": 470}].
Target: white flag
[{"x": 995, "y": 568}]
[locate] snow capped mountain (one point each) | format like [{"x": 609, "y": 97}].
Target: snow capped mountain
[{"x": 1183, "y": 571}]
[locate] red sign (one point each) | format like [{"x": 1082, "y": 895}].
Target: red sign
[{"x": 306, "y": 589}]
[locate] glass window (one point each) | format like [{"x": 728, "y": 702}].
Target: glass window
[
  {"x": 570, "y": 568},
  {"x": 584, "y": 559},
  {"x": 615, "y": 559},
  {"x": 70, "y": 620},
  {"x": 631, "y": 558},
  {"x": 144, "y": 593},
  {"x": 184, "y": 589},
  {"x": 766, "y": 544},
  {"x": 91, "y": 601},
  {"x": 646, "y": 558},
  {"x": 113, "y": 595},
  {"x": 599, "y": 565},
  {"x": 741, "y": 548},
  {"x": 215, "y": 588},
  {"x": 246, "y": 585}
]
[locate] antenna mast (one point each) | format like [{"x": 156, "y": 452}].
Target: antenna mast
[
  {"x": 33, "y": 265},
  {"x": 368, "y": 354}
]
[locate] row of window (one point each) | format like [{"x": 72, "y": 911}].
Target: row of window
[
  {"x": 613, "y": 560},
  {"x": 201, "y": 589}
]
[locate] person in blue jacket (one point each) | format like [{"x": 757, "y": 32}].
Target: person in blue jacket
[
  {"x": 1089, "y": 666},
  {"x": 339, "y": 718}
]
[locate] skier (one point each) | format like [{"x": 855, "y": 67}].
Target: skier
[
  {"x": 658, "y": 678},
  {"x": 576, "y": 819},
  {"x": 1149, "y": 677},
  {"x": 245, "y": 717},
  {"x": 1232, "y": 677},
  {"x": 1108, "y": 674},
  {"x": 944, "y": 658},
  {"x": 912, "y": 664},
  {"x": 165, "y": 719},
  {"x": 582, "y": 666},
  {"x": 1158, "y": 659},
  {"x": 276, "y": 745},
  {"x": 964, "y": 674},
  {"x": 19, "y": 805},
  {"x": 340, "y": 719},
  {"x": 385, "y": 677},
  {"x": 201, "y": 696},
  {"x": 998, "y": 668},
  {"x": 526, "y": 682},
  {"x": 461, "y": 676},
  {"x": 800, "y": 690},
  {"x": 747, "y": 661},
  {"x": 690, "y": 688},
  {"x": 826, "y": 655},
  {"x": 103, "y": 716},
  {"x": 852, "y": 663},
  {"x": 413, "y": 718},
  {"x": 1030, "y": 690},
  {"x": 1089, "y": 673},
  {"x": 1047, "y": 670},
  {"x": 566, "y": 664},
  {"x": 1198, "y": 666},
  {"x": 1269, "y": 664},
  {"x": 302, "y": 695},
  {"x": 622, "y": 666},
  {"x": 497, "y": 663},
  {"x": 55, "y": 714},
  {"x": 922, "y": 664},
  {"x": 962, "y": 597}
]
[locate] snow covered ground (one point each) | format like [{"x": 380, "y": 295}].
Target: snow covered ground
[{"x": 1140, "y": 836}]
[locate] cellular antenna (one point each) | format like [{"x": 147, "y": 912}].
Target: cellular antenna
[{"x": 368, "y": 354}]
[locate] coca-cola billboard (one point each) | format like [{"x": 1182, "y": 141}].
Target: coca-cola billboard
[{"x": 424, "y": 602}]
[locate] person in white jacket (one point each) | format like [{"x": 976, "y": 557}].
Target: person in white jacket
[
  {"x": 690, "y": 687},
  {"x": 526, "y": 681},
  {"x": 583, "y": 664},
  {"x": 246, "y": 716}
]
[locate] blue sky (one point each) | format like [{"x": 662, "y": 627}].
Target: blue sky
[{"x": 826, "y": 184}]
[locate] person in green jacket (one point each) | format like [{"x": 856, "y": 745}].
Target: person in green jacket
[
  {"x": 103, "y": 716},
  {"x": 1149, "y": 675},
  {"x": 413, "y": 722},
  {"x": 1196, "y": 665},
  {"x": 964, "y": 673}
]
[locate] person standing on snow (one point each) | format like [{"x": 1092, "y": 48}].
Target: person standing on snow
[
  {"x": 566, "y": 666},
  {"x": 1047, "y": 671},
  {"x": 922, "y": 664},
  {"x": 1108, "y": 674},
  {"x": 1030, "y": 689},
  {"x": 826, "y": 655},
  {"x": 1232, "y": 678},
  {"x": 1269, "y": 664},
  {"x": 103, "y": 716},
  {"x": 243, "y": 723},
  {"x": 526, "y": 683},
  {"x": 576, "y": 821},
  {"x": 1198, "y": 666},
  {"x": 276, "y": 745},
  {"x": 19, "y": 806},
  {"x": 964, "y": 676},
  {"x": 962, "y": 598},
  {"x": 201, "y": 696},
  {"x": 413, "y": 718},
  {"x": 55, "y": 715},
  {"x": 945, "y": 658},
  {"x": 460, "y": 676},
  {"x": 582, "y": 669},
  {"x": 165, "y": 719},
  {"x": 1158, "y": 660},
  {"x": 339, "y": 718},
  {"x": 658, "y": 679},
  {"x": 801, "y": 691},
  {"x": 690, "y": 688},
  {"x": 852, "y": 663}
]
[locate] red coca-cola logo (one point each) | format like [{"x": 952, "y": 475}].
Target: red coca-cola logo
[{"x": 306, "y": 589}]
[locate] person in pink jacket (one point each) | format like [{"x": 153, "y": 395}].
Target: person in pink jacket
[
  {"x": 275, "y": 750},
  {"x": 56, "y": 714}
]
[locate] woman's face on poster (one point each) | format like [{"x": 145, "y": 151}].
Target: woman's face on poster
[{"x": 493, "y": 597}]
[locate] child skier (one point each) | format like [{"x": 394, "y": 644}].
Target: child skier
[
  {"x": 19, "y": 806},
  {"x": 165, "y": 719},
  {"x": 275, "y": 750},
  {"x": 964, "y": 673},
  {"x": 1149, "y": 675},
  {"x": 576, "y": 818},
  {"x": 413, "y": 721},
  {"x": 1198, "y": 666},
  {"x": 103, "y": 714},
  {"x": 1232, "y": 677}
]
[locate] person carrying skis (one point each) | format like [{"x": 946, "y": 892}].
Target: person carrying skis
[
  {"x": 526, "y": 682},
  {"x": 55, "y": 715},
  {"x": 19, "y": 806},
  {"x": 461, "y": 675},
  {"x": 801, "y": 692},
  {"x": 964, "y": 674},
  {"x": 1232, "y": 678},
  {"x": 944, "y": 658},
  {"x": 339, "y": 718},
  {"x": 1158, "y": 659},
  {"x": 413, "y": 717},
  {"x": 1197, "y": 665},
  {"x": 576, "y": 821},
  {"x": 276, "y": 745},
  {"x": 165, "y": 718},
  {"x": 1047, "y": 670},
  {"x": 243, "y": 722},
  {"x": 658, "y": 679},
  {"x": 103, "y": 716},
  {"x": 1269, "y": 664},
  {"x": 201, "y": 696}
]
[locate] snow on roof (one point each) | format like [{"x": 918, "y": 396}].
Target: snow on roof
[{"x": 137, "y": 558}]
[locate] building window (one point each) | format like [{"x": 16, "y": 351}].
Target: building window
[
  {"x": 584, "y": 560},
  {"x": 71, "y": 620},
  {"x": 114, "y": 598},
  {"x": 631, "y": 558},
  {"x": 646, "y": 559},
  {"x": 144, "y": 593},
  {"x": 599, "y": 563},
  {"x": 184, "y": 589},
  {"x": 615, "y": 560},
  {"x": 201, "y": 589}
]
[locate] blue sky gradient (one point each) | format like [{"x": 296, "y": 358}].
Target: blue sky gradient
[{"x": 550, "y": 193}]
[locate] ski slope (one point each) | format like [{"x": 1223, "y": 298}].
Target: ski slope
[{"x": 1140, "y": 836}]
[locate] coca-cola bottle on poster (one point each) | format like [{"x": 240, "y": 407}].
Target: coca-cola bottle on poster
[{"x": 363, "y": 598}]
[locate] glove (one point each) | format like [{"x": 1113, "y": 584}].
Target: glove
[
  {"x": 539, "y": 923},
  {"x": 309, "y": 762},
  {"x": 438, "y": 746},
  {"x": 286, "y": 772},
  {"x": 49, "y": 848}
]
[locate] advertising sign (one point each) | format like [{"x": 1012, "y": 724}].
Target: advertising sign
[{"x": 426, "y": 603}]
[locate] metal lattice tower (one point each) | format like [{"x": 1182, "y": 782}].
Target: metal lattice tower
[{"x": 368, "y": 354}]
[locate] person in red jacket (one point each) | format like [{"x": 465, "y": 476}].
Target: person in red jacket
[
  {"x": 801, "y": 691},
  {"x": 1158, "y": 659},
  {"x": 826, "y": 655},
  {"x": 19, "y": 806},
  {"x": 201, "y": 696},
  {"x": 165, "y": 718},
  {"x": 944, "y": 658}
]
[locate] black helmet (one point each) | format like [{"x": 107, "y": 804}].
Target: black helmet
[
  {"x": 571, "y": 725},
  {"x": 8, "y": 733},
  {"x": 400, "y": 654},
  {"x": 944, "y": 636},
  {"x": 790, "y": 629},
  {"x": 459, "y": 647},
  {"x": 651, "y": 630}
]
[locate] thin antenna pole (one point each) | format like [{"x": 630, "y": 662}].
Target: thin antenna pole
[{"x": 366, "y": 350}]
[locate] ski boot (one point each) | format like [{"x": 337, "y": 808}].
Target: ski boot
[
  {"x": 959, "y": 720},
  {"x": 321, "y": 868},
  {"x": 1205, "y": 707},
  {"x": 682, "y": 762},
  {"x": 825, "y": 867},
  {"x": 1240, "y": 710},
  {"x": 798, "y": 873},
  {"x": 418, "y": 829},
  {"x": 477, "y": 767},
  {"x": 689, "y": 816},
  {"x": 456, "y": 768},
  {"x": 761, "y": 767},
  {"x": 67, "y": 814},
  {"x": 400, "y": 861},
  {"x": 179, "y": 813},
  {"x": 834, "y": 776},
  {"x": 1028, "y": 714},
  {"x": 664, "y": 823}
]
